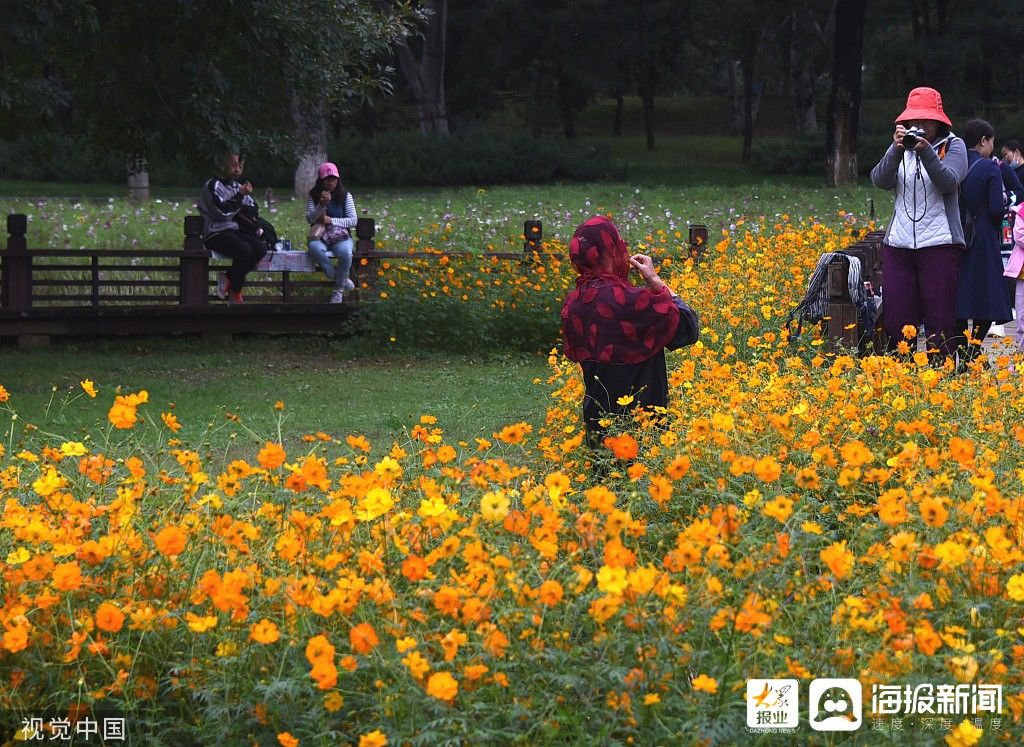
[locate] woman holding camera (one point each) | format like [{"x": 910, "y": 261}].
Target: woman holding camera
[
  {"x": 331, "y": 214},
  {"x": 924, "y": 244},
  {"x": 982, "y": 296}
]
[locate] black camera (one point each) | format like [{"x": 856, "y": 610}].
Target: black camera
[{"x": 911, "y": 137}]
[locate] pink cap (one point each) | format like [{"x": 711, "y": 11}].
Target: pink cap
[{"x": 326, "y": 170}]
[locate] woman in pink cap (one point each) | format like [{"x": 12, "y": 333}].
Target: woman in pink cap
[
  {"x": 924, "y": 243},
  {"x": 331, "y": 214}
]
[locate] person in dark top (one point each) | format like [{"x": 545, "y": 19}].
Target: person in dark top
[
  {"x": 982, "y": 295},
  {"x": 233, "y": 227},
  {"x": 1013, "y": 154},
  {"x": 618, "y": 332}
]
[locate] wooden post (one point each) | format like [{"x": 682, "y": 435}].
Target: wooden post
[
  {"x": 533, "y": 236},
  {"x": 16, "y": 266},
  {"x": 698, "y": 241},
  {"x": 841, "y": 312},
  {"x": 194, "y": 273},
  {"x": 364, "y": 265}
]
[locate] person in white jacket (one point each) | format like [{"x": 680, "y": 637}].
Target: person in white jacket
[{"x": 924, "y": 244}]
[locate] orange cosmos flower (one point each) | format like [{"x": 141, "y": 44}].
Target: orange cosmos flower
[
  {"x": 703, "y": 683},
  {"x": 109, "y": 617},
  {"x": 271, "y": 456},
  {"x": 414, "y": 568},
  {"x": 67, "y": 577},
  {"x": 319, "y": 650},
  {"x": 550, "y": 593},
  {"x": 4, "y": 394},
  {"x": 767, "y": 469},
  {"x": 779, "y": 508},
  {"x": 170, "y": 540},
  {"x": 838, "y": 559},
  {"x": 443, "y": 686},
  {"x": 285, "y": 739},
  {"x": 171, "y": 421},
  {"x": 933, "y": 511},
  {"x": 856, "y": 454},
  {"x": 623, "y": 446},
  {"x": 88, "y": 387},
  {"x": 363, "y": 638},
  {"x": 264, "y": 632}
]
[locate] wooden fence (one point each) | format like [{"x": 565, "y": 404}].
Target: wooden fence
[{"x": 45, "y": 292}]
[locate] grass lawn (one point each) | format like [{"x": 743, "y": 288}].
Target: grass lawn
[{"x": 324, "y": 385}]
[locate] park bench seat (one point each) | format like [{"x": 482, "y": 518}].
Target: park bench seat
[{"x": 280, "y": 261}]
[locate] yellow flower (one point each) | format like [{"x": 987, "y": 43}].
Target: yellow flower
[
  {"x": 780, "y": 509},
  {"x": 432, "y": 507},
  {"x": 88, "y": 387},
  {"x": 965, "y": 734},
  {"x": 199, "y": 624},
  {"x": 333, "y": 701},
  {"x": 494, "y": 506},
  {"x": 442, "y": 686},
  {"x": 1015, "y": 587},
  {"x": 703, "y": 683},
  {"x": 612, "y": 580},
  {"x": 375, "y": 738},
  {"x": 73, "y": 449},
  {"x": 626, "y": 399},
  {"x": 652, "y": 699},
  {"x": 378, "y": 501}
]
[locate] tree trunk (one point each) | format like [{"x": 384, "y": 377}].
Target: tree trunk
[
  {"x": 311, "y": 138},
  {"x": 802, "y": 42},
  {"x": 617, "y": 124},
  {"x": 565, "y": 110},
  {"x": 844, "y": 102},
  {"x": 648, "y": 84},
  {"x": 138, "y": 179},
  {"x": 426, "y": 75},
  {"x": 749, "y": 55}
]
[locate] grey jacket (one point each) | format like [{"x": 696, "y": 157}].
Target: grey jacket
[
  {"x": 927, "y": 209},
  {"x": 219, "y": 202}
]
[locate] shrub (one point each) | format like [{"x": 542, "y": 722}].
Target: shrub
[{"x": 807, "y": 155}]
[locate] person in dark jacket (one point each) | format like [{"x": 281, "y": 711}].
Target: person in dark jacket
[
  {"x": 1013, "y": 154},
  {"x": 982, "y": 295},
  {"x": 618, "y": 332},
  {"x": 232, "y": 226}
]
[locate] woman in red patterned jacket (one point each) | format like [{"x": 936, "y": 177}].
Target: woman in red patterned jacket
[{"x": 619, "y": 332}]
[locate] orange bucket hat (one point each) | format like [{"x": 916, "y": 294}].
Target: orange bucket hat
[{"x": 924, "y": 103}]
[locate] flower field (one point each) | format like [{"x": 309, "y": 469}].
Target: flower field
[{"x": 804, "y": 514}]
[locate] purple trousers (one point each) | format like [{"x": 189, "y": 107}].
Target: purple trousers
[{"x": 919, "y": 286}]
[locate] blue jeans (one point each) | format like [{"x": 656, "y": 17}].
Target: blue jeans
[{"x": 321, "y": 254}]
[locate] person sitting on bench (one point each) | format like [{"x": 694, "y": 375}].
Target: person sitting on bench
[
  {"x": 331, "y": 214},
  {"x": 232, "y": 226}
]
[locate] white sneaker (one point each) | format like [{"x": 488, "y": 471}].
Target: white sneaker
[
  {"x": 349, "y": 285},
  {"x": 337, "y": 297}
]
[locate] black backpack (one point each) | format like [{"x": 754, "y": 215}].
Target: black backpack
[
  {"x": 967, "y": 220},
  {"x": 814, "y": 305}
]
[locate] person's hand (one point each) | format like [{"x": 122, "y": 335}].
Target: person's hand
[
  {"x": 921, "y": 145},
  {"x": 325, "y": 197},
  {"x": 246, "y": 188},
  {"x": 326, "y": 219},
  {"x": 897, "y": 136},
  {"x": 645, "y": 266}
]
